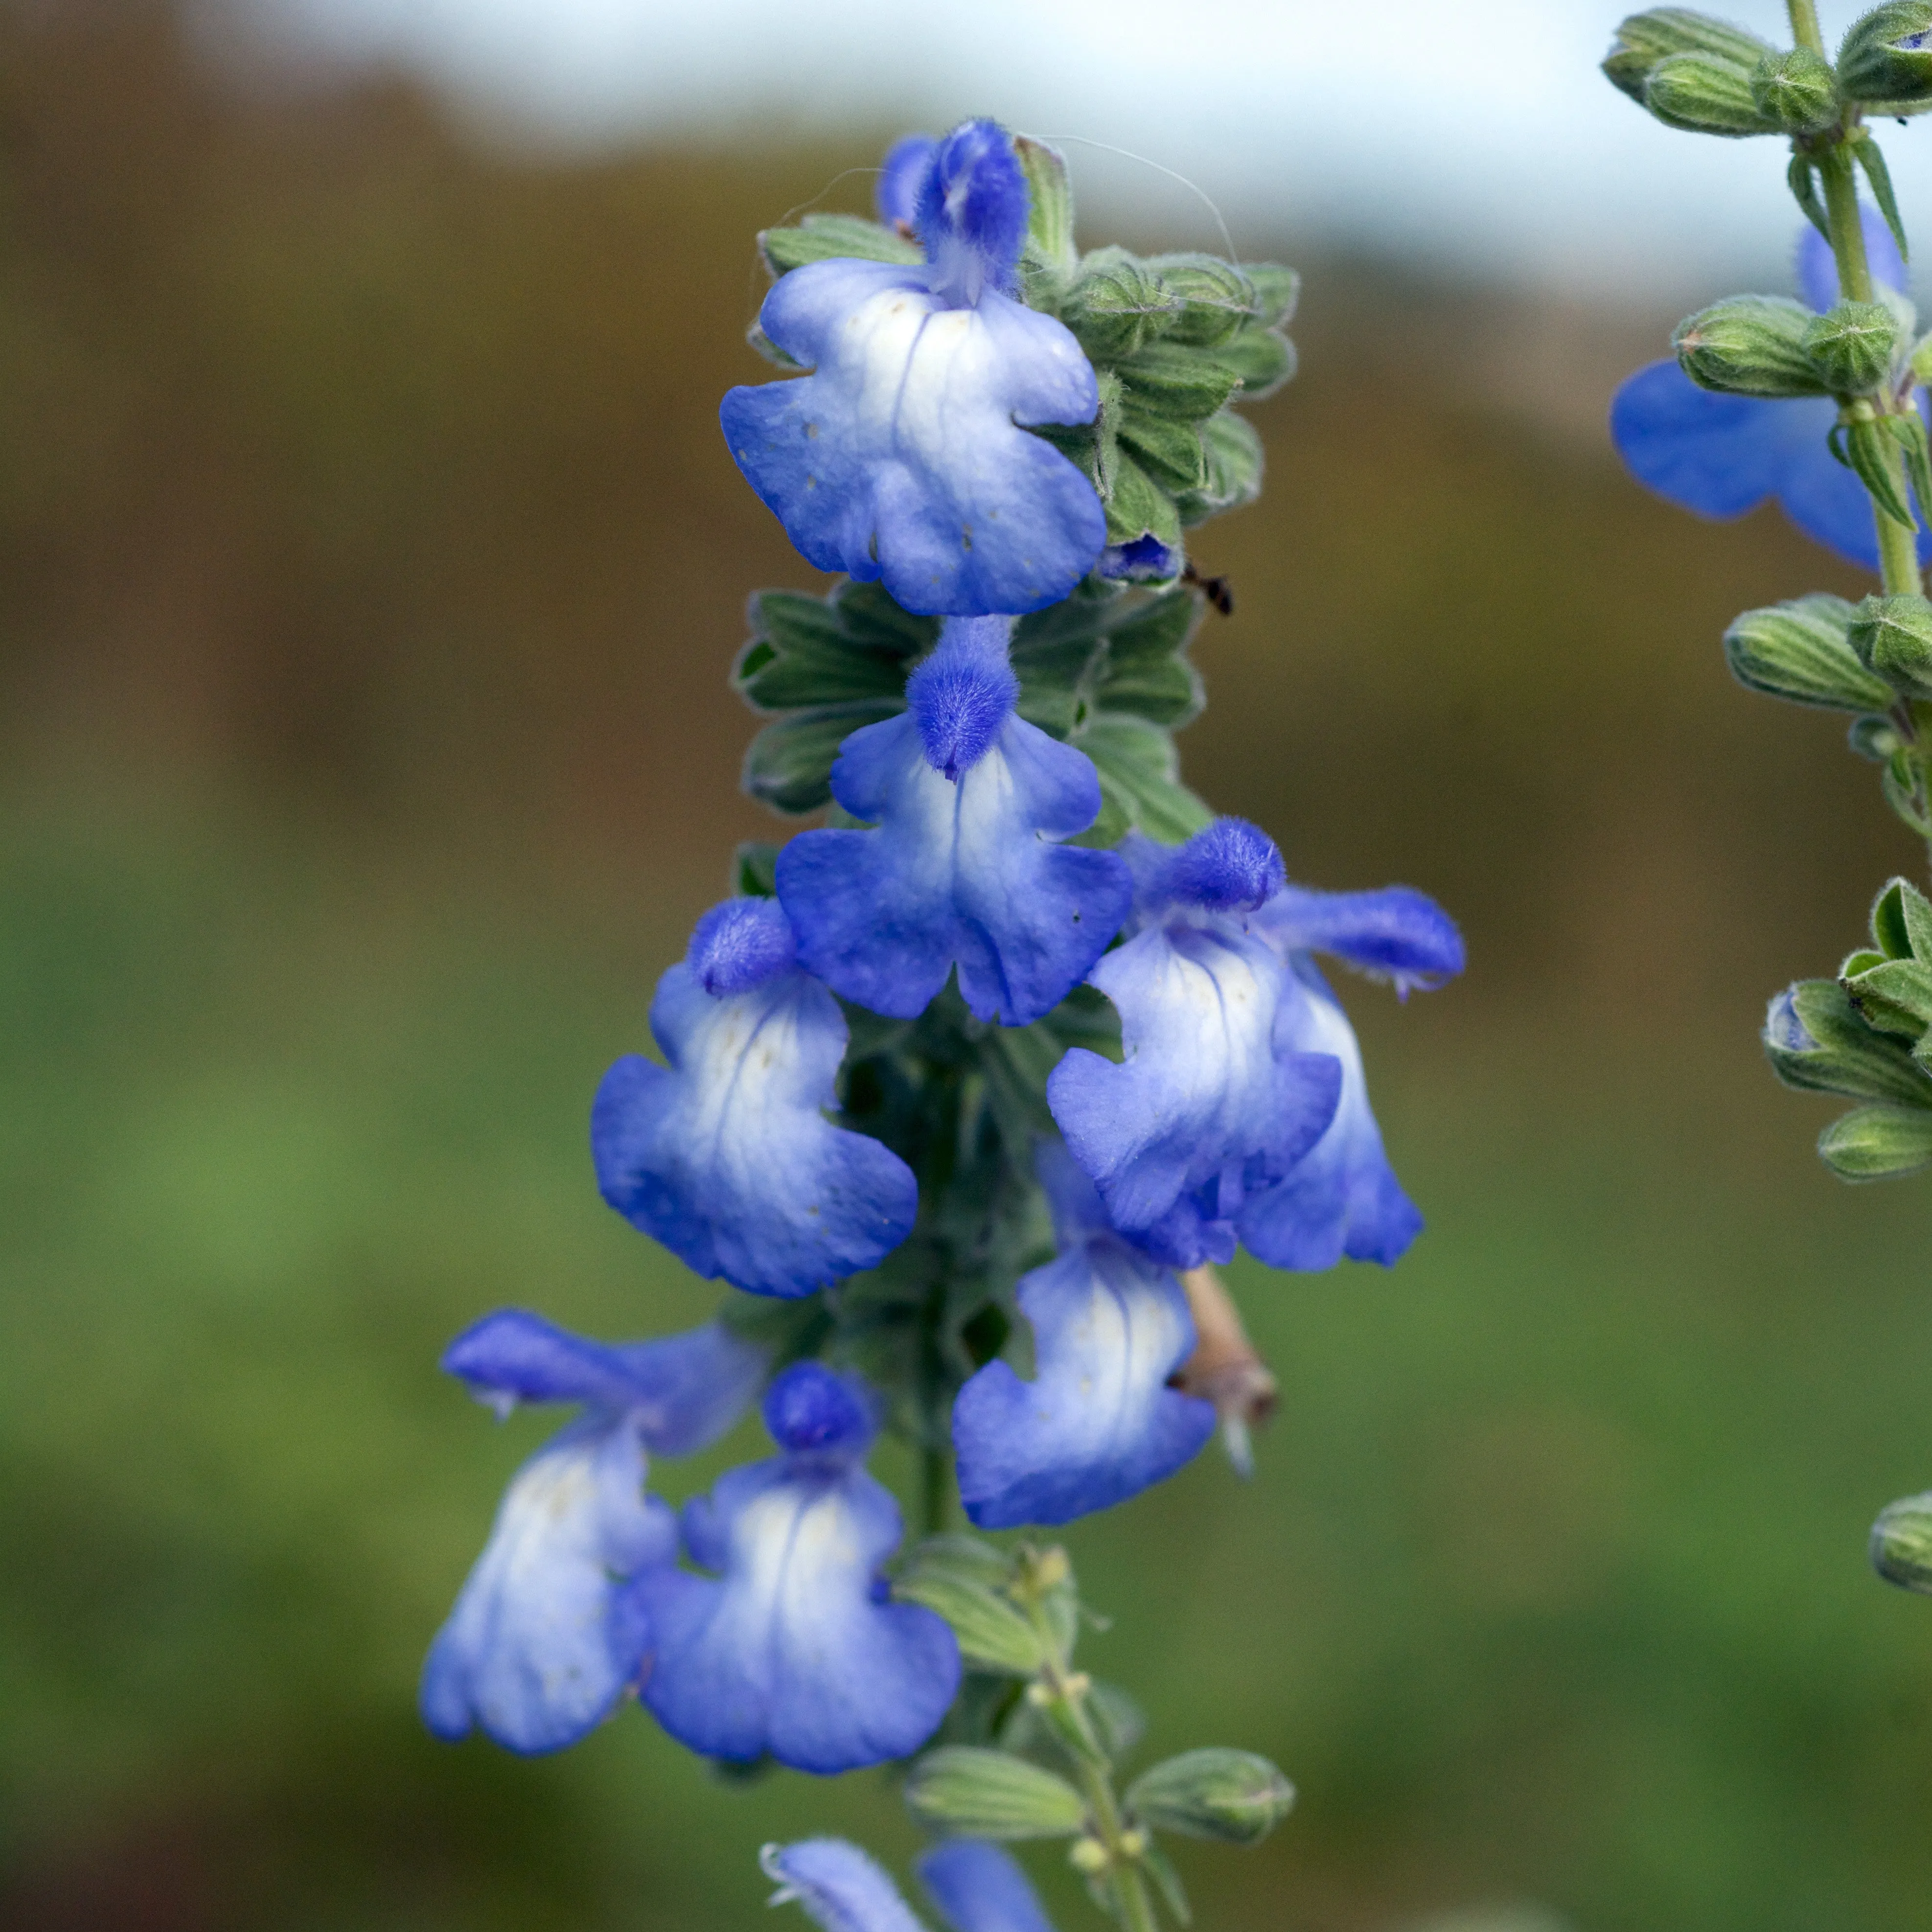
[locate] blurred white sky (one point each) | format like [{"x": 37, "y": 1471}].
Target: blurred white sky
[{"x": 1479, "y": 131}]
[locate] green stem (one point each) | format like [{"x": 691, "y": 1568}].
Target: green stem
[
  {"x": 935, "y": 1490},
  {"x": 1804, "y": 26}
]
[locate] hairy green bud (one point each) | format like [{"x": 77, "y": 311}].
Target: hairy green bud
[
  {"x": 1644, "y": 40},
  {"x": 1750, "y": 346},
  {"x": 1817, "y": 1041},
  {"x": 1901, "y": 1543},
  {"x": 986, "y": 1794},
  {"x": 1703, "y": 95},
  {"x": 1876, "y": 1143},
  {"x": 1851, "y": 346},
  {"x": 1796, "y": 89},
  {"x": 1892, "y": 637},
  {"x": 1215, "y": 1793},
  {"x": 964, "y": 1580},
  {"x": 1885, "y": 62},
  {"x": 1802, "y": 651}
]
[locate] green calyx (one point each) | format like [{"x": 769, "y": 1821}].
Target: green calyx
[
  {"x": 1882, "y": 66},
  {"x": 1107, "y": 670},
  {"x": 1750, "y": 346},
  {"x": 1802, "y": 651},
  {"x": 1891, "y": 638},
  {"x": 1851, "y": 346},
  {"x": 1901, "y": 1543},
  {"x": 1215, "y": 1793},
  {"x": 1797, "y": 90}
]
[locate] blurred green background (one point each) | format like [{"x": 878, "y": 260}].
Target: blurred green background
[{"x": 370, "y": 568}]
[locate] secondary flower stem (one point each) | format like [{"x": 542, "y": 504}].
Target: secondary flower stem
[{"x": 1804, "y": 26}]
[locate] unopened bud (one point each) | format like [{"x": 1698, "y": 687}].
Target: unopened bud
[
  {"x": 1750, "y": 346},
  {"x": 1215, "y": 1793},
  {"x": 1704, "y": 94},
  {"x": 1885, "y": 62},
  {"x": 1901, "y": 1543},
  {"x": 1796, "y": 89},
  {"x": 1892, "y": 636},
  {"x": 1800, "y": 650},
  {"x": 1851, "y": 346},
  {"x": 1876, "y": 1143},
  {"x": 1644, "y": 40},
  {"x": 988, "y": 1794}
]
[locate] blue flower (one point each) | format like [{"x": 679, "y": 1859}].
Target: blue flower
[
  {"x": 901, "y": 176},
  {"x": 724, "y": 1155},
  {"x": 905, "y": 455},
  {"x": 544, "y": 1639},
  {"x": 978, "y": 1887},
  {"x": 1216, "y": 1098},
  {"x": 1342, "y": 1197},
  {"x": 1098, "y": 1423},
  {"x": 1721, "y": 455},
  {"x": 787, "y": 1649},
  {"x": 840, "y": 1887},
  {"x": 963, "y": 867}
]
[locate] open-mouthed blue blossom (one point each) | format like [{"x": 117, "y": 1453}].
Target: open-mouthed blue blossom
[
  {"x": 1342, "y": 1197},
  {"x": 963, "y": 865},
  {"x": 840, "y": 1887},
  {"x": 724, "y": 1155},
  {"x": 978, "y": 1887},
  {"x": 1721, "y": 455},
  {"x": 544, "y": 1639},
  {"x": 904, "y": 455},
  {"x": 787, "y": 1648},
  {"x": 1098, "y": 1423},
  {"x": 1216, "y": 1098}
]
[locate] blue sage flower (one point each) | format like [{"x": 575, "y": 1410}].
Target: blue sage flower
[
  {"x": 1721, "y": 455},
  {"x": 903, "y": 174},
  {"x": 544, "y": 1639},
  {"x": 904, "y": 455},
  {"x": 1342, "y": 1197},
  {"x": 1216, "y": 1098},
  {"x": 725, "y": 1156},
  {"x": 978, "y": 1887},
  {"x": 788, "y": 1648},
  {"x": 1098, "y": 1423},
  {"x": 840, "y": 1887},
  {"x": 963, "y": 866}
]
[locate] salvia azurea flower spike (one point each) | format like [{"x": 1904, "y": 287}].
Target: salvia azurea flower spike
[{"x": 955, "y": 1081}]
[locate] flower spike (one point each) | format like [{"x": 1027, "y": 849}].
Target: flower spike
[
  {"x": 724, "y": 1155},
  {"x": 544, "y": 1639},
  {"x": 904, "y": 455},
  {"x": 786, "y": 1650}
]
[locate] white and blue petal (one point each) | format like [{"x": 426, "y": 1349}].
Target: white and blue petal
[
  {"x": 978, "y": 1887},
  {"x": 965, "y": 870},
  {"x": 904, "y": 455},
  {"x": 1342, "y": 1197},
  {"x": 545, "y": 1638},
  {"x": 1213, "y": 1100},
  {"x": 789, "y": 1651},
  {"x": 681, "y": 1391},
  {"x": 724, "y": 1155},
  {"x": 840, "y": 1887},
  {"x": 1098, "y": 1423}
]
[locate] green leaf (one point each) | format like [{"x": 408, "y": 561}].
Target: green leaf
[
  {"x": 1160, "y": 1868},
  {"x": 1233, "y": 1796},
  {"x": 994, "y": 1634},
  {"x": 1140, "y": 774},
  {"x": 754, "y": 875},
  {"x": 1866, "y": 152},
  {"x": 1802, "y": 179},
  {"x": 1145, "y": 672},
  {"x": 986, "y": 1794},
  {"x": 1049, "y": 244},
  {"x": 1875, "y": 1143},
  {"x": 1171, "y": 378},
  {"x": 788, "y": 765},
  {"x": 1233, "y": 449},
  {"x": 1895, "y": 996},
  {"x": 1802, "y": 651},
  {"x": 819, "y": 238}
]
